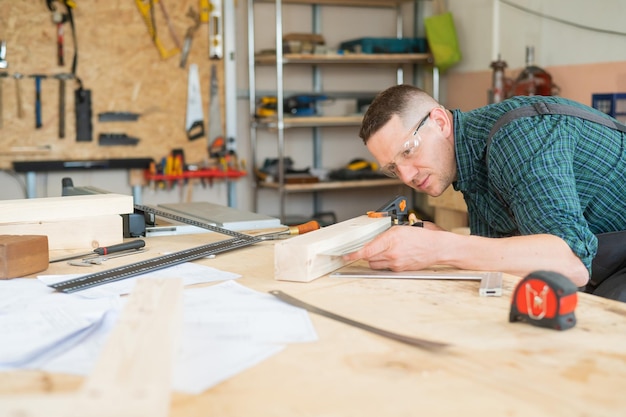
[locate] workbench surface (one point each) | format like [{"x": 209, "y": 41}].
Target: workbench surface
[{"x": 492, "y": 367}]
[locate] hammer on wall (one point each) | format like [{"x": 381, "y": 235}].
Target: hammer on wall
[
  {"x": 62, "y": 79},
  {"x": 38, "y": 77}
]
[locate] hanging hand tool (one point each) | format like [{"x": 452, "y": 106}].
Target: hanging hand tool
[
  {"x": 3, "y": 55},
  {"x": 217, "y": 143},
  {"x": 146, "y": 8},
  {"x": 2, "y": 75},
  {"x": 194, "y": 123},
  {"x": 38, "y": 78},
  {"x": 205, "y": 9},
  {"x": 216, "y": 45},
  {"x": 59, "y": 20},
  {"x": 105, "y": 250},
  {"x": 18, "y": 94},
  {"x": 191, "y": 30},
  {"x": 62, "y": 79}
]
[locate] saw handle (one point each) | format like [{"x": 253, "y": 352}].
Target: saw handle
[
  {"x": 135, "y": 244},
  {"x": 304, "y": 228}
]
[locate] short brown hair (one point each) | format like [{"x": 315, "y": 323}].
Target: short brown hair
[{"x": 400, "y": 100}]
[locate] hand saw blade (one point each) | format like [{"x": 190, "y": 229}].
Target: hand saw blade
[
  {"x": 215, "y": 116},
  {"x": 194, "y": 122}
]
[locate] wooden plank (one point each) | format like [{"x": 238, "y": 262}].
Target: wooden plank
[
  {"x": 60, "y": 208},
  {"x": 307, "y": 257},
  {"x": 83, "y": 233},
  {"x": 132, "y": 377},
  {"x": 22, "y": 255}
]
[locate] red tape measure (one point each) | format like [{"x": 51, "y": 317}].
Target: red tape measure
[{"x": 545, "y": 299}]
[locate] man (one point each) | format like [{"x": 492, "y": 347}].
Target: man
[{"x": 537, "y": 194}]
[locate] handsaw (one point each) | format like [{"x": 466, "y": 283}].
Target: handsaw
[
  {"x": 194, "y": 122},
  {"x": 217, "y": 143}
]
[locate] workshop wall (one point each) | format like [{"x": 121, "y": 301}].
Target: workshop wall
[
  {"x": 581, "y": 43},
  {"x": 118, "y": 62}
]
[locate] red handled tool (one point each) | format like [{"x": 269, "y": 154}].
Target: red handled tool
[
  {"x": 545, "y": 299},
  {"x": 105, "y": 250}
]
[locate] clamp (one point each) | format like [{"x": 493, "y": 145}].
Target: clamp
[{"x": 396, "y": 208}]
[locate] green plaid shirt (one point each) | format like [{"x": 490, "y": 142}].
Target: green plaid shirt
[{"x": 553, "y": 174}]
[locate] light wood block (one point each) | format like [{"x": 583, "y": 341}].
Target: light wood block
[
  {"x": 60, "y": 208},
  {"x": 133, "y": 375},
  {"x": 22, "y": 255},
  {"x": 76, "y": 233},
  {"x": 309, "y": 256}
]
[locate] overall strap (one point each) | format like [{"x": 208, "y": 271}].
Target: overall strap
[{"x": 540, "y": 109}]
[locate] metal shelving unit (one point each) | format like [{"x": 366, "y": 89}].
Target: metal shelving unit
[{"x": 281, "y": 122}]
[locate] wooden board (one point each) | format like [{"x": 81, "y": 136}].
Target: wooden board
[
  {"x": 309, "y": 256},
  {"x": 119, "y": 63},
  {"x": 22, "y": 255},
  {"x": 63, "y": 208},
  {"x": 80, "y": 233}
]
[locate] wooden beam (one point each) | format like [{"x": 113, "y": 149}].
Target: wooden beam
[
  {"x": 59, "y": 208},
  {"x": 82, "y": 233},
  {"x": 132, "y": 377},
  {"x": 307, "y": 257}
]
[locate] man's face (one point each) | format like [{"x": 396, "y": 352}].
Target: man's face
[{"x": 422, "y": 156}]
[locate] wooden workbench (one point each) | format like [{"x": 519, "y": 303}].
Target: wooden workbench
[{"x": 493, "y": 367}]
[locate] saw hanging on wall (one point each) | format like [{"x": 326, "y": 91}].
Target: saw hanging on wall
[{"x": 194, "y": 122}]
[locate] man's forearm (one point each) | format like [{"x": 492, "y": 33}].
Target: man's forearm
[{"x": 517, "y": 255}]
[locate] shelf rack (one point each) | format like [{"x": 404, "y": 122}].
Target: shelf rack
[{"x": 282, "y": 122}]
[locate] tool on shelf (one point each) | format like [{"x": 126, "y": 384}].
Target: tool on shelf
[
  {"x": 105, "y": 250},
  {"x": 303, "y": 104},
  {"x": 194, "y": 122},
  {"x": 545, "y": 299}
]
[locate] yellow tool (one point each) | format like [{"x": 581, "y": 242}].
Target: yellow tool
[
  {"x": 266, "y": 106},
  {"x": 205, "y": 9},
  {"x": 216, "y": 45},
  {"x": 145, "y": 8}
]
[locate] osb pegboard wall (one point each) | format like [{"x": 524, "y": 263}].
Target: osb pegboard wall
[{"x": 122, "y": 67}]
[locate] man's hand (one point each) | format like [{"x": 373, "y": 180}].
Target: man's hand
[{"x": 401, "y": 248}]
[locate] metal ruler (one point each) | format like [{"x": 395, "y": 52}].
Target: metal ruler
[
  {"x": 413, "y": 341},
  {"x": 238, "y": 240},
  {"x": 490, "y": 282}
]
